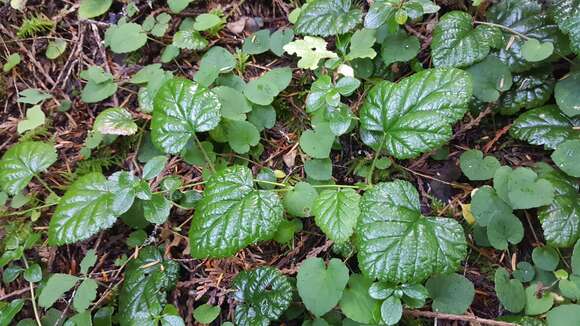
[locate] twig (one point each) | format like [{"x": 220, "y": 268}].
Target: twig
[
  {"x": 15, "y": 293},
  {"x": 438, "y": 315},
  {"x": 498, "y": 135}
]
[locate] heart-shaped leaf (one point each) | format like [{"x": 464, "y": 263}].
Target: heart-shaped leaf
[
  {"x": 476, "y": 167},
  {"x": 319, "y": 286},
  {"x": 22, "y": 162},
  {"x": 567, "y": 157},
  {"x": 537, "y": 303},
  {"x": 125, "y": 38},
  {"x": 263, "y": 294},
  {"x": 529, "y": 90},
  {"x": 190, "y": 40},
  {"x": 181, "y": 109},
  {"x": 264, "y": 89},
  {"x": 522, "y": 188},
  {"x": 257, "y": 43},
  {"x": 393, "y": 236},
  {"x": 534, "y": 51},
  {"x": 490, "y": 77},
  {"x": 232, "y": 214},
  {"x": 487, "y": 206},
  {"x": 505, "y": 228},
  {"x": 414, "y": 115},
  {"x": 317, "y": 143},
  {"x": 336, "y": 213},
  {"x": 356, "y": 303},
  {"x": 327, "y": 17},
  {"x": 452, "y": 294},
  {"x": 546, "y": 126},
  {"x": 564, "y": 315},
  {"x": 510, "y": 293},
  {"x": 34, "y": 118}
]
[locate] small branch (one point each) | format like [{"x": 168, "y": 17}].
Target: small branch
[
  {"x": 437, "y": 315},
  {"x": 505, "y": 28}
]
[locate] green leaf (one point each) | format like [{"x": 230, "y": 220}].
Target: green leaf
[
  {"x": 285, "y": 233},
  {"x": 93, "y": 8},
  {"x": 206, "y": 313},
  {"x": 319, "y": 286},
  {"x": 191, "y": 40},
  {"x": 264, "y": 89},
  {"x": 171, "y": 317},
  {"x": 300, "y": 200},
  {"x": 125, "y": 38},
  {"x": 279, "y": 39},
  {"x": 178, "y": 5},
  {"x": 509, "y": 292},
  {"x": 567, "y": 15},
  {"x": 457, "y": 44},
  {"x": 154, "y": 167},
  {"x": 575, "y": 261},
  {"x": 525, "y": 17},
  {"x": 361, "y": 44},
  {"x": 157, "y": 25},
  {"x": 12, "y": 61},
  {"x": 55, "y": 287},
  {"x": 537, "y": 303},
  {"x": 318, "y": 169},
  {"x": 232, "y": 214},
  {"x": 143, "y": 294},
  {"x": 317, "y": 143},
  {"x": 452, "y": 294},
  {"x": 356, "y": 303},
  {"x": 490, "y": 77},
  {"x": 567, "y": 155},
  {"x": 22, "y": 162},
  {"x": 215, "y": 61},
  {"x": 99, "y": 86},
  {"x": 487, "y": 206},
  {"x": 263, "y": 294},
  {"x": 33, "y": 96},
  {"x": 476, "y": 167},
  {"x": 206, "y": 21},
  {"x": 336, "y": 213},
  {"x": 504, "y": 229},
  {"x": 88, "y": 261},
  {"x": 407, "y": 123},
  {"x": 564, "y": 315},
  {"x": 234, "y": 104},
  {"x": 380, "y": 12},
  {"x": 534, "y": 51},
  {"x": 156, "y": 210},
  {"x": 545, "y": 125},
  {"x": 193, "y": 155},
  {"x": 397, "y": 244},
  {"x": 55, "y": 48},
  {"x": 85, "y": 294},
  {"x": 399, "y": 47},
  {"x": 310, "y": 50},
  {"x": 91, "y": 204},
  {"x": 522, "y": 188},
  {"x": 524, "y": 272},
  {"x": 34, "y": 118},
  {"x": 257, "y": 43},
  {"x": 392, "y": 310},
  {"x": 115, "y": 121},
  {"x": 567, "y": 96},
  {"x": 262, "y": 117},
  {"x": 181, "y": 109},
  {"x": 33, "y": 273},
  {"x": 546, "y": 258},
  {"x": 561, "y": 221},
  {"x": 9, "y": 310},
  {"x": 241, "y": 135},
  {"x": 327, "y": 17}
]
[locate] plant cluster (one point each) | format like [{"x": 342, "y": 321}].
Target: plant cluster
[{"x": 363, "y": 72}]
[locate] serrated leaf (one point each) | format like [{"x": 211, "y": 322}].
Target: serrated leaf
[
  {"x": 143, "y": 294},
  {"x": 567, "y": 155},
  {"x": 567, "y": 15},
  {"x": 451, "y": 294},
  {"x": 91, "y": 204},
  {"x": 510, "y": 292},
  {"x": 232, "y": 214},
  {"x": 263, "y": 294},
  {"x": 115, "y": 121},
  {"x": 545, "y": 125},
  {"x": 476, "y": 167},
  {"x": 336, "y": 213},
  {"x": 490, "y": 77},
  {"x": 567, "y": 95},
  {"x": 380, "y": 12},
  {"x": 55, "y": 287},
  {"x": 310, "y": 50},
  {"x": 319, "y": 286},
  {"x": 406, "y": 122},
  {"x": 456, "y": 43},
  {"x": 327, "y": 17},
  {"x": 22, "y": 162},
  {"x": 397, "y": 244},
  {"x": 181, "y": 109}
]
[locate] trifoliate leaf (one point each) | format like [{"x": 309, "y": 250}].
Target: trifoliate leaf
[
  {"x": 55, "y": 288},
  {"x": 257, "y": 43},
  {"x": 55, "y": 48},
  {"x": 22, "y": 162},
  {"x": 534, "y": 51},
  {"x": 115, "y": 121},
  {"x": 310, "y": 50},
  {"x": 397, "y": 244},
  {"x": 143, "y": 295},
  {"x": 361, "y": 44},
  {"x": 356, "y": 303},
  {"x": 457, "y": 44},
  {"x": 451, "y": 294},
  {"x": 399, "y": 47},
  {"x": 545, "y": 125},
  {"x": 567, "y": 15},
  {"x": 264, "y": 89},
  {"x": 181, "y": 109},
  {"x": 567, "y": 157},
  {"x": 125, "y": 38},
  {"x": 91, "y": 204},
  {"x": 336, "y": 213},
  {"x": 34, "y": 118},
  {"x": 509, "y": 292},
  {"x": 476, "y": 167},
  {"x": 93, "y": 8},
  {"x": 327, "y": 17},
  {"x": 490, "y": 77},
  {"x": 263, "y": 294},
  {"x": 300, "y": 200},
  {"x": 190, "y": 40},
  {"x": 567, "y": 95},
  {"x": 321, "y": 286},
  {"x": 232, "y": 214},
  {"x": 407, "y": 123}
]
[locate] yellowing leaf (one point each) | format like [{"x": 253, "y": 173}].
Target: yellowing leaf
[
  {"x": 310, "y": 50},
  {"x": 467, "y": 215}
]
